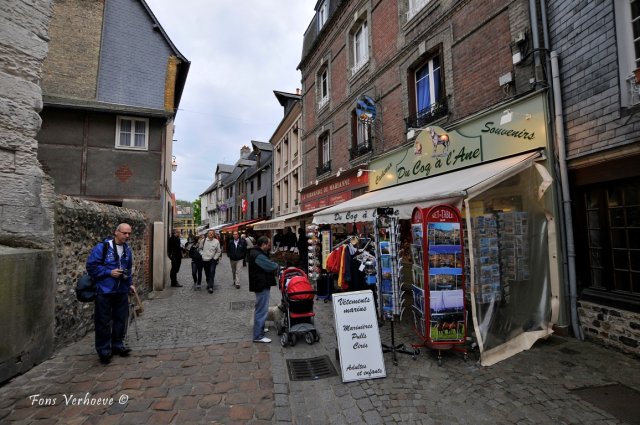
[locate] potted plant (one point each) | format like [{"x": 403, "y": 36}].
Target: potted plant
[{"x": 636, "y": 72}]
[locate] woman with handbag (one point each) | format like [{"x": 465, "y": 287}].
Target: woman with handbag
[{"x": 196, "y": 263}]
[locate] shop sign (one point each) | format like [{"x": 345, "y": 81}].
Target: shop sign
[
  {"x": 330, "y": 194},
  {"x": 438, "y": 151},
  {"x": 358, "y": 336}
]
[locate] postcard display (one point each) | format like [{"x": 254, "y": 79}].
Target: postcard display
[
  {"x": 438, "y": 278},
  {"x": 391, "y": 294}
]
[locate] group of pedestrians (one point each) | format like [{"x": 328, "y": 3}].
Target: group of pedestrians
[
  {"x": 205, "y": 254},
  {"x": 110, "y": 265}
]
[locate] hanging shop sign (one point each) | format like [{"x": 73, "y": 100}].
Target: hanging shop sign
[
  {"x": 366, "y": 109},
  {"x": 436, "y": 151},
  {"x": 358, "y": 336}
]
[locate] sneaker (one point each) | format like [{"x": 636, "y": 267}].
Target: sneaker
[
  {"x": 210, "y": 290},
  {"x": 237, "y": 286},
  {"x": 263, "y": 339}
]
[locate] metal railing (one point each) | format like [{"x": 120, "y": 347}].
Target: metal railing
[
  {"x": 324, "y": 168},
  {"x": 359, "y": 150},
  {"x": 427, "y": 115}
]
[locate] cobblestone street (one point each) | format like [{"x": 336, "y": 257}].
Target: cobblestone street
[{"x": 193, "y": 362}]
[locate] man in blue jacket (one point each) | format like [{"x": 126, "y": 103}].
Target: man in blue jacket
[{"x": 113, "y": 278}]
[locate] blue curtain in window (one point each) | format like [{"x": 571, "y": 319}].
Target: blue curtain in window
[{"x": 423, "y": 99}]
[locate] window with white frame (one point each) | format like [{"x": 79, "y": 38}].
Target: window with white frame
[
  {"x": 415, "y": 6},
  {"x": 323, "y": 14},
  {"x": 324, "y": 149},
  {"x": 362, "y": 131},
  {"x": 628, "y": 40},
  {"x": 360, "y": 47},
  {"x": 428, "y": 86},
  {"x": 132, "y": 133},
  {"x": 323, "y": 87}
]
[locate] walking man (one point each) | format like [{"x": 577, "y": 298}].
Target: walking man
[
  {"x": 261, "y": 279},
  {"x": 211, "y": 253},
  {"x": 174, "y": 250},
  {"x": 113, "y": 277},
  {"x": 236, "y": 250}
]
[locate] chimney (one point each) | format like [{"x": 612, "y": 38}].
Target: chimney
[
  {"x": 298, "y": 92},
  {"x": 245, "y": 152}
]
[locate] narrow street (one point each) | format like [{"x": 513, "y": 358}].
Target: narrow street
[{"x": 194, "y": 362}]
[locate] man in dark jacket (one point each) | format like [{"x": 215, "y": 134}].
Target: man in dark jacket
[
  {"x": 113, "y": 278},
  {"x": 236, "y": 250},
  {"x": 174, "y": 250},
  {"x": 261, "y": 279}
]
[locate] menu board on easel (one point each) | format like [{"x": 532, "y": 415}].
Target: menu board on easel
[{"x": 358, "y": 336}]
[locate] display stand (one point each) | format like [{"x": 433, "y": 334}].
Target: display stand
[
  {"x": 391, "y": 297},
  {"x": 438, "y": 279},
  {"x": 314, "y": 272}
]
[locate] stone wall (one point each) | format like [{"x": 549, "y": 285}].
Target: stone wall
[
  {"x": 27, "y": 196},
  {"x": 79, "y": 226},
  {"x": 614, "y": 328}
]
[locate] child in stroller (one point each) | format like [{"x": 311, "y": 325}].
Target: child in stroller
[{"x": 297, "y": 305}]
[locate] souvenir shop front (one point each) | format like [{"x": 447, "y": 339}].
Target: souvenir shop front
[{"x": 468, "y": 213}]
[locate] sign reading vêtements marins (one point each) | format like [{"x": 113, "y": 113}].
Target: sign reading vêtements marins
[{"x": 489, "y": 137}]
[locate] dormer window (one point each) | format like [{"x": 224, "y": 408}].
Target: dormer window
[{"x": 323, "y": 14}]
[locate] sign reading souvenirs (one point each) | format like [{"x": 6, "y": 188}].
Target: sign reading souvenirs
[
  {"x": 358, "y": 336},
  {"x": 436, "y": 151}
]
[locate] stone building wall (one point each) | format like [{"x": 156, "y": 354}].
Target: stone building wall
[
  {"x": 26, "y": 193},
  {"x": 27, "y": 196},
  {"x": 79, "y": 226},
  {"x": 611, "y": 327}
]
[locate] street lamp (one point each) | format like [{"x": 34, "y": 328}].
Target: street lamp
[
  {"x": 174, "y": 164},
  {"x": 361, "y": 171}
]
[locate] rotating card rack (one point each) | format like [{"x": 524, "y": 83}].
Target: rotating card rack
[{"x": 391, "y": 294}]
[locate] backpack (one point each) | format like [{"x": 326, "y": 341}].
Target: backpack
[
  {"x": 194, "y": 252},
  {"x": 86, "y": 287}
]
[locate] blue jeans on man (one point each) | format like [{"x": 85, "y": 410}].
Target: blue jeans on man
[
  {"x": 261, "y": 312},
  {"x": 110, "y": 319},
  {"x": 210, "y": 273}
]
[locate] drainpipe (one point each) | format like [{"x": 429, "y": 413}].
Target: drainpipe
[
  {"x": 566, "y": 197},
  {"x": 533, "y": 17}
]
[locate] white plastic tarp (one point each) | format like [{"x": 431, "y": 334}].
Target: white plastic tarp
[{"x": 448, "y": 188}]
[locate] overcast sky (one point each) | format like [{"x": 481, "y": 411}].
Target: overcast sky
[{"x": 240, "y": 52}]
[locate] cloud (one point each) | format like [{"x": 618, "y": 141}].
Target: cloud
[{"x": 240, "y": 52}]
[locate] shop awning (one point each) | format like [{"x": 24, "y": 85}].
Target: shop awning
[
  {"x": 237, "y": 226},
  {"x": 448, "y": 188},
  {"x": 281, "y": 222}
]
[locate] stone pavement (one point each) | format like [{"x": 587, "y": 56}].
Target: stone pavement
[{"x": 193, "y": 362}]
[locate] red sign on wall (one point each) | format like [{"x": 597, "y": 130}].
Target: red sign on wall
[{"x": 333, "y": 192}]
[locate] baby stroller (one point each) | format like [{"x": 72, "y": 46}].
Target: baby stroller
[{"x": 297, "y": 305}]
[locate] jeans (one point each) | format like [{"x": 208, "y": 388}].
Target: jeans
[
  {"x": 210, "y": 272},
  {"x": 176, "y": 261},
  {"x": 196, "y": 272},
  {"x": 235, "y": 273},
  {"x": 261, "y": 312},
  {"x": 110, "y": 319}
]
